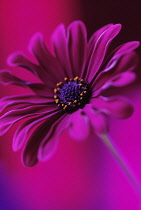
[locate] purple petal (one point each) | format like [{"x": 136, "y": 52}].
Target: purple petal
[
  {"x": 49, "y": 144},
  {"x": 94, "y": 38},
  {"x": 120, "y": 52},
  {"x": 59, "y": 42},
  {"x": 79, "y": 128},
  {"x": 100, "y": 49},
  {"x": 117, "y": 107},
  {"x": 126, "y": 48},
  {"x": 126, "y": 63},
  {"x": 29, "y": 156},
  {"x": 13, "y": 116},
  {"x": 121, "y": 80},
  {"x": 19, "y": 59},
  {"x": 97, "y": 119},
  {"x": 49, "y": 63},
  {"x": 9, "y": 101},
  {"x": 23, "y": 130},
  {"x": 6, "y": 78},
  {"x": 77, "y": 40}
]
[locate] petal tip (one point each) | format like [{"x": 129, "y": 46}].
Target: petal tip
[
  {"x": 28, "y": 162},
  {"x": 37, "y": 37},
  {"x": 118, "y": 26},
  {"x": 12, "y": 58}
]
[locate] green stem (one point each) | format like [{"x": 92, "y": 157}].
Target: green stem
[{"x": 122, "y": 164}]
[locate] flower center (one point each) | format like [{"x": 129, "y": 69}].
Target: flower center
[{"x": 72, "y": 94}]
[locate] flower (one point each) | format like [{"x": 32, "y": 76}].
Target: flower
[{"x": 70, "y": 92}]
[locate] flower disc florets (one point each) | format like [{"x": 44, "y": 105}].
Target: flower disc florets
[{"x": 72, "y": 94}]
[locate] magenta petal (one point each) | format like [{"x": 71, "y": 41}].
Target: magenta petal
[
  {"x": 117, "y": 107},
  {"x": 123, "y": 79},
  {"x": 119, "y": 80},
  {"x": 126, "y": 63},
  {"x": 94, "y": 38},
  {"x": 27, "y": 100},
  {"x": 77, "y": 40},
  {"x": 126, "y": 48},
  {"x": 49, "y": 63},
  {"x": 97, "y": 119},
  {"x": 19, "y": 59},
  {"x": 59, "y": 42},
  {"x": 23, "y": 130},
  {"x": 41, "y": 90},
  {"x": 100, "y": 49},
  {"x": 21, "y": 133},
  {"x": 6, "y": 78},
  {"x": 79, "y": 128},
  {"x": 30, "y": 152},
  {"x": 50, "y": 142},
  {"x": 121, "y": 51},
  {"x": 13, "y": 116}
]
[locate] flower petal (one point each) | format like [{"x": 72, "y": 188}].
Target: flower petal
[
  {"x": 97, "y": 119},
  {"x": 19, "y": 59},
  {"x": 121, "y": 80},
  {"x": 125, "y": 48},
  {"x": 77, "y": 40},
  {"x": 49, "y": 144},
  {"x": 79, "y": 128},
  {"x": 29, "y": 156},
  {"x": 59, "y": 42},
  {"x": 49, "y": 63},
  {"x": 6, "y": 78},
  {"x": 118, "y": 53},
  {"x": 27, "y": 100},
  {"x": 93, "y": 40},
  {"x": 13, "y": 116},
  {"x": 125, "y": 63},
  {"x": 23, "y": 130},
  {"x": 117, "y": 107},
  {"x": 100, "y": 49}
]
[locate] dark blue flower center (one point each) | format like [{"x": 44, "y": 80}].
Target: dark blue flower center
[{"x": 72, "y": 94}]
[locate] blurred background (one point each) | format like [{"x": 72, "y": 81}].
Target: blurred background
[{"x": 80, "y": 176}]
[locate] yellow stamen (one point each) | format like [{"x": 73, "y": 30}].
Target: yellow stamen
[
  {"x": 65, "y": 107},
  {"x": 76, "y": 78},
  {"x": 66, "y": 79},
  {"x": 57, "y": 101},
  {"x": 56, "y": 89},
  {"x": 59, "y": 84}
]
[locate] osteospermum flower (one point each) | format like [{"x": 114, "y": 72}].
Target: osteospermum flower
[{"x": 70, "y": 94}]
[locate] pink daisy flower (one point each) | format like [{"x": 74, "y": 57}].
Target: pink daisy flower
[{"x": 70, "y": 94}]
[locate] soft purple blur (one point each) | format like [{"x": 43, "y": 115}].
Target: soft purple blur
[{"x": 81, "y": 176}]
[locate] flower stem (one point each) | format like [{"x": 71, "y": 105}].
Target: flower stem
[{"x": 122, "y": 164}]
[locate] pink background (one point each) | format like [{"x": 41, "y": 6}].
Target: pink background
[{"x": 80, "y": 176}]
